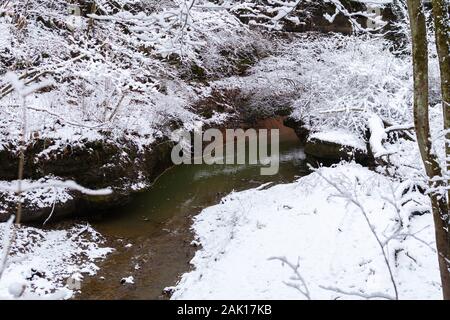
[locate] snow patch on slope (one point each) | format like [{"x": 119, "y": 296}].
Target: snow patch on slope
[{"x": 50, "y": 263}]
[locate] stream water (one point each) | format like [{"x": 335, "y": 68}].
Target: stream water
[{"x": 152, "y": 235}]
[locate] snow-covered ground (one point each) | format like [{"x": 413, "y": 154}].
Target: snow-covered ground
[
  {"x": 49, "y": 264},
  {"x": 245, "y": 239}
]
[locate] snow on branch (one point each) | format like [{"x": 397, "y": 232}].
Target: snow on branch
[
  {"x": 21, "y": 87},
  {"x": 272, "y": 14},
  {"x": 377, "y": 135},
  {"x": 26, "y": 186},
  {"x": 373, "y": 295},
  {"x": 400, "y": 127},
  {"x": 269, "y": 16},
  {"x": 167, "y": 29},
  {"x": 34, "y": 74},
  {"x": 352, "y": 17},
  {"x": 73, "y": 123}
]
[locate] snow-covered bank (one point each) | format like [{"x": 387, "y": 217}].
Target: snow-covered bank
[
  {"x": 48, "y": 264},
  {"x": 309, "y": 221}
]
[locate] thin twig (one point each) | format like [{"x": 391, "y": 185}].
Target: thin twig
[{"x": 295, "y": 268}]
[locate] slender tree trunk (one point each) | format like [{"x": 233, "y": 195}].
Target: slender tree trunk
[
  {"x": 422, "y": 126},
  {"x": 442, "y": 29}
]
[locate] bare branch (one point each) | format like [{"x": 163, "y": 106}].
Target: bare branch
[{"x": 302, "y": 287}]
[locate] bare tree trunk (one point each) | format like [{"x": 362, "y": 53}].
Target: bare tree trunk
[
  {"x": 442, "y": 29},
  {"x": 422, "y": 127}
]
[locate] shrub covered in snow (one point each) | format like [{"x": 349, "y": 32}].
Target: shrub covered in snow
[{"x": 121, "y": 71}]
